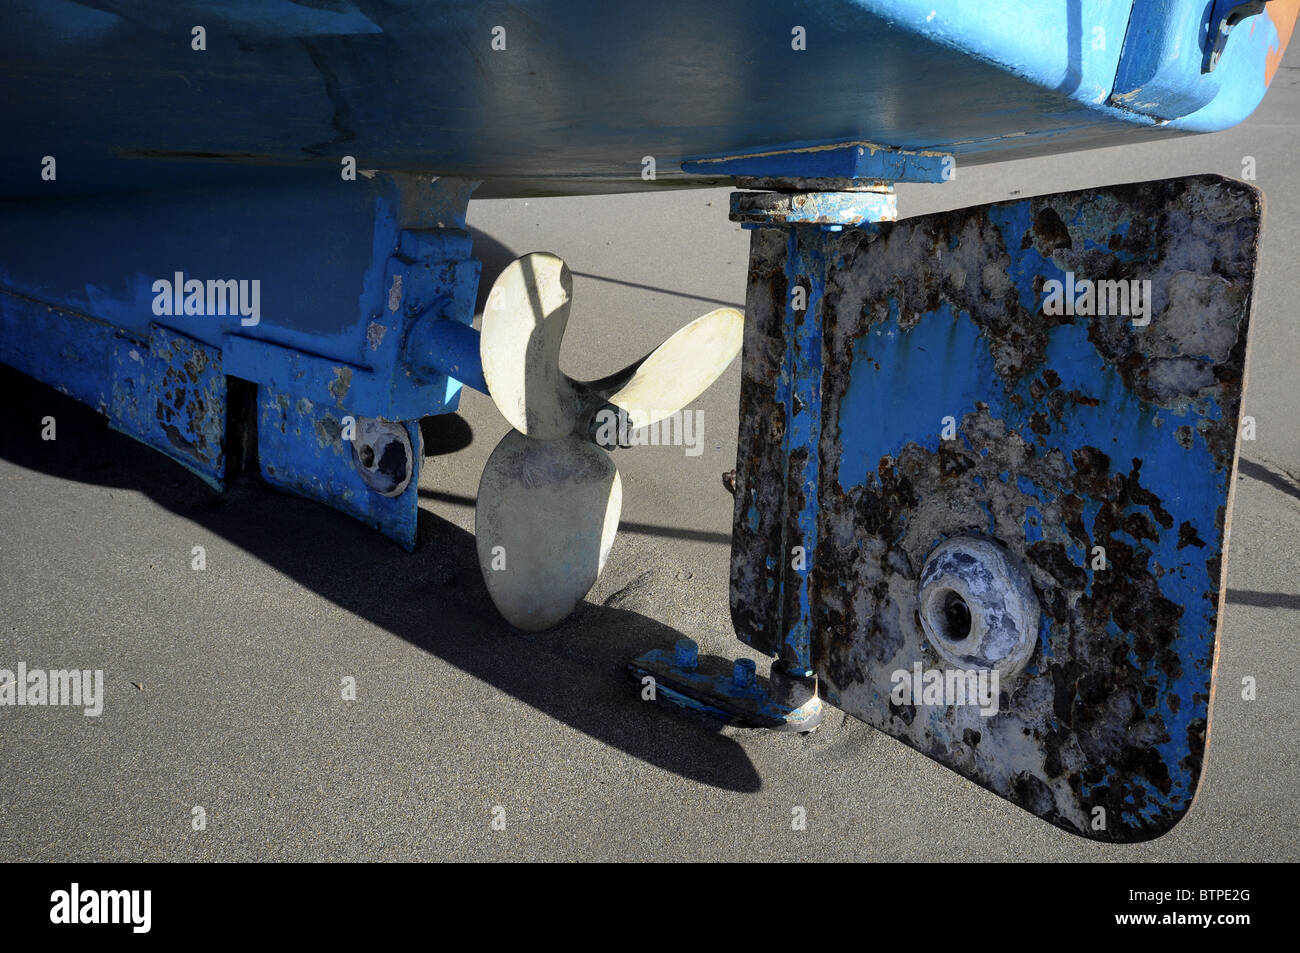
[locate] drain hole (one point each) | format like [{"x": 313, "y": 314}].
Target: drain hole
[
  {"x": 954, "y": 617},
  {"x": 392, "y": 463},
  {"x": 366, "y": 454}
]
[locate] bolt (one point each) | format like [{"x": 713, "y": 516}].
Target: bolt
[{"x": 742, "y": 673}]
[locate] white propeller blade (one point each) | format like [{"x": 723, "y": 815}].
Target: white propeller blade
[
  {"x": 545, "y": 521},
  {"x": 549, "y": 499},
  {"x": 682, "y": 368},
  {"x": 523, "y": 327}
]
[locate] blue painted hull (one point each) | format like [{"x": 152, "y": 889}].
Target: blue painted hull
[{"x": 583, "y": 92}]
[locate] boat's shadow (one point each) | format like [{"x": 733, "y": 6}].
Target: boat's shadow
[{"x": 434, "y": 599}]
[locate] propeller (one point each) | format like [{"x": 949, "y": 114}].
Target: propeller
[{"x": 550, "y": 496}]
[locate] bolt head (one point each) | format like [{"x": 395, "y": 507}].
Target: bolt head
[
  {"x": 977, "y": 605},
  {"x": 688, "y": 653}
]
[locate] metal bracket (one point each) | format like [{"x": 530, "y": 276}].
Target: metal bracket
[
  {"x": 829, "y": 166},
  {"x": 730, "y": 691},
  {"x": 1223, "y": 26},
  {"x": 365, "y": 292}
]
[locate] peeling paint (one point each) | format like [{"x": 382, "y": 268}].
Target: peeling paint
[
  {"x": 340, "y": 384},
  {"x": 1068, "y": 433}
]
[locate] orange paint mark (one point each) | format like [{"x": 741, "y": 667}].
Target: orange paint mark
[{"x": 1283, "y": 14}]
